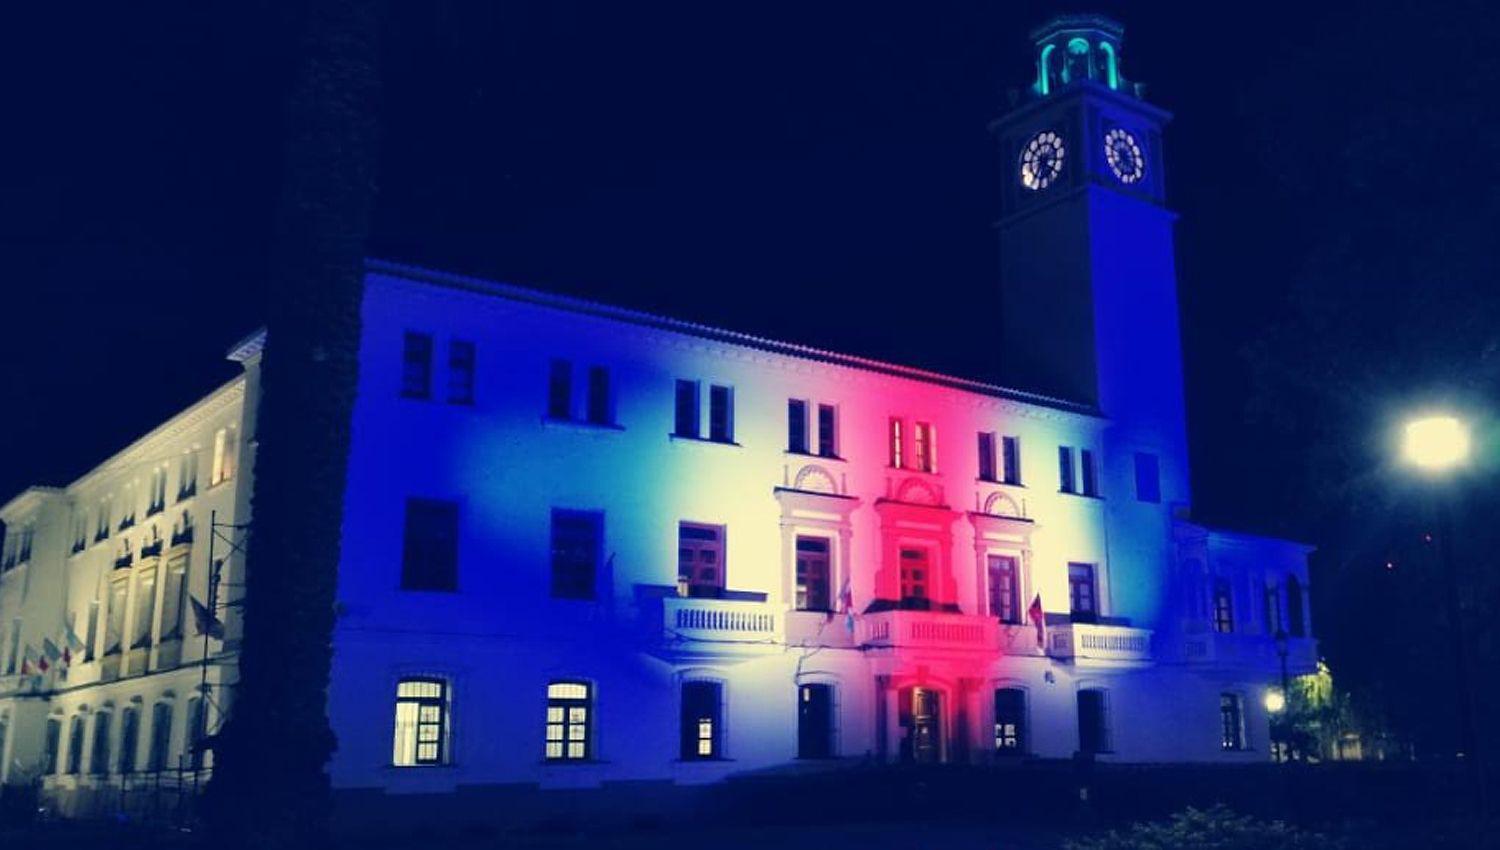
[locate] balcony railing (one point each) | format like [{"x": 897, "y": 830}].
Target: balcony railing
[
  {"x": 1095, "y": 642},
  {"x": 743, "y": 619},
  {"x": 927, "y": 630}
]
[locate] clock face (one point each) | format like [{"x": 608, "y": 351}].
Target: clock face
[
  {"x": 1124, "y": 155},
  {"x": 1042, "y": 160}
]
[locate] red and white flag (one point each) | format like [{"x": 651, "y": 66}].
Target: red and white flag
[{"x": 1038, "y": 618}]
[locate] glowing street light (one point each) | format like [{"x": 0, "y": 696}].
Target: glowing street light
[
  {"x": 1435, "y": 443},
  {"x": 1275, "y": 701}
]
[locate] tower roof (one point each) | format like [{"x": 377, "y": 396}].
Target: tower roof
[{"x": 1073, "y": 48}]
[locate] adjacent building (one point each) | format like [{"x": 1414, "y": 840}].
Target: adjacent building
[{"x": 585, "y": 545}]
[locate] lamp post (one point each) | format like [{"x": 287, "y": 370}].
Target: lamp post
[
  {"x": 1283, "y": 750},
  {"x": 1437, "y": 446}
]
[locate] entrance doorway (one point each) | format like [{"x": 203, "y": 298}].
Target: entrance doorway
[{"x": 921, "y": 725}]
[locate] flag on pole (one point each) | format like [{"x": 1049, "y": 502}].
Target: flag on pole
[
  {"x": 26, "y": 661},
  {"x": 72, "y": 644},
  {"x": 846, "y": 599},
  {"x": 205, "y": 621},
  {"x": 50, "y": 653},
  {"x": 1038, "y": 618}
]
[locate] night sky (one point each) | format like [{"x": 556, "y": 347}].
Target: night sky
[{"x": 816, "y": 172}]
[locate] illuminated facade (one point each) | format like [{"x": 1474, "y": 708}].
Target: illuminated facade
[{"x": 583, "y": 544}]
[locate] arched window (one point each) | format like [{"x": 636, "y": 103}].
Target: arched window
[
  {"x": 75, "y": 744},
  {"x": 1296, "y": 623},
  {"x": 194, "y": 733},
  {"x": 1223, "y": 607},
  {"x": 53, "y": 741},
  {"x": 130, "y": 737},
  {"x": 161, "y": 737},
  {"x": 99, "y": 755}
]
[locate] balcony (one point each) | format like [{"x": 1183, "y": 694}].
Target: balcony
[
  {"x": 1098, "y": 643},
  {"x": 735, "y": 623},
  {"x": 932, "y": 630}
]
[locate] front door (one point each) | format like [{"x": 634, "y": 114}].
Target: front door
[{"x": 922, "y": 719}]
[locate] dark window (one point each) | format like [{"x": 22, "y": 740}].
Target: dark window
[
  {"x": 1231, "y": 722},
  {"x": 598, "y": 407},
  {"x": 560, "y": 390},
  {"x": 99, "y": 757},
  {"x": 161, "y": 736},
  {"x": 700, "y": 560},
  {"x": 686, "y": 424},
  {"x": 1090, "y": 472},
  {"x": 702, "y": 720},
  {"x": 430, "y": 553},
  {"x": 1223, "y": 608},
  {"x": 1005, "y": 595},
  {"x": 416, "y": 366},
  {"x": 924, "y": 446},
  {"x": 460, "y": 372},
  {"x": 813, "y": 574},
  {"x": 720, "y": 414},
  {"x": 1147, "y": 477},
  {"x": 1273, "y": 610},
  {"x": 815, "y": 722},
  {"x": 828, "y": 440},
  {"x": 1296, "y": 624},
  {"x": 421, "y": 722},
  {"x": 1082, "y": 593},
  {"x": 130, "y": 736},
  {"x": 1093, "y": 722},
  {"x": 569, "y": 705},
  {"x": 796, "y": 426},
  {"x": 916, "y": 573},
  {"x": 193, "y": 738},
  {"x": 1011, "y": 456},
  {"x": 577, "y": 547},
  {"x": 986, "y": 456},
  {"x": 75, "y": 744},
  {"x": 53, "y": 742},
  {"x": 1065, "y": 479},
  {"x": 1010, "y": 721}
]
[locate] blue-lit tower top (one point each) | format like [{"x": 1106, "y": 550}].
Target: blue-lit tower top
[{"x": 1078, "y": 47}]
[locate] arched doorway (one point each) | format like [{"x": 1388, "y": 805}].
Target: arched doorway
[{"x": 921, "y": 715}]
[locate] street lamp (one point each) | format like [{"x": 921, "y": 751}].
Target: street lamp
[
  {"x": 1437, "y": 445},
  {"x": 1282, "y": 647},
  {"x": 1275, "y": 701}
]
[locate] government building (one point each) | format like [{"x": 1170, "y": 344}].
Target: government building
[{"x": 586, "y": 546}]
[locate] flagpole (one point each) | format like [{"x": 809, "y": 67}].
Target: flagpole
[{"x": 213, "y": 603}]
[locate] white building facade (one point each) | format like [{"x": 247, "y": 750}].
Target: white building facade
[{"x": 584, "y": 545}]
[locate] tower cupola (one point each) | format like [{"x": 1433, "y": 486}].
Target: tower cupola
[{"x": 1072, "y": 48}]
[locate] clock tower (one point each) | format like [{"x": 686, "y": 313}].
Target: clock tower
[{"x": 1089, "y": 285}]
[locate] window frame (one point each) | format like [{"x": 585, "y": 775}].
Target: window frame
[
  {"x": 1076, "y": 613},
  {"x": 809, "y": 736},
  {"x": 721, "y": 413},
  {"x": 802, "y": 588},
  {"x": 828, "y": 431},
  {"x": 1223, "y": 606},
  {"x": 462, "y": 371},
  {"x": 796, "y": 426},
  {"x": 1021, "y": 733},
  {"x": 694, "y": 733},
  {"x": 687, "y": 414},
  {"x": 986, "y": 448},
  {"x": 442, "y": 702},
  {"x": 566, "y": 723},
  {"x": 1232, "y": 737},
  {"x": 1010, "y": 460},
  {"x": 686, "y": 584},
  {"x": 595, "y": 520},
  {"x": 1067, "y": 476},
  {"x": 416, "y": 365}
]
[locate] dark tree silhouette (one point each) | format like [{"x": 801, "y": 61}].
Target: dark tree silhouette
[{"x": 270, "y": 786}]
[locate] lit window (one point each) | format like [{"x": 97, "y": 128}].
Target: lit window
[
  {"x": 429, "y": 558},
  {"x": 145, "y": 607},
  {"x": 1223, "y": 608},
  {"x": 569, "y": 705},
  {"x": 1231, "y": 722},
  {"x": 223, "y": 465},
  {"x": 896, "y": 456},
  {"x": 416, "y": 366},
  {"x": 700, "y": 560},
  {"x": 460, "y": 372},
  {"x": 702, "y": 715},
  {"x": 187, "y": 475},
  {"x": 1010, "y": 721},
  {"x": 924, "y": 446},
  {"x": 421, "y": 722},
  {"x": 173, "y": 591},
  {"x": 114, "y": 631},
  {"x": 577, "y": 544}
]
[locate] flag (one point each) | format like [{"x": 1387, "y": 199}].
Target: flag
[
  {"x": 74, "y": 644},
  {"x": 50, "y": 652},
  {"x": 1038, "y": 618},
  {"x": 846, "y": 599},
  {"x": 205, "y": 620},
  {"x": 26, "y": 662}
]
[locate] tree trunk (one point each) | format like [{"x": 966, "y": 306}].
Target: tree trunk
[{"x": 270, "y": 785}]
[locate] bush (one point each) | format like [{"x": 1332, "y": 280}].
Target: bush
[{"x": 1218, "y": 828}]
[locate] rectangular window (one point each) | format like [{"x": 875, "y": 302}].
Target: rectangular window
[
  {"x": 1223, "y": 608},
  {"x": 828, "y": 431},
  {"x": 91, "y": 637},
  {"x": 597, "y": 407},
  {"x": 686, "y": 421},
  {"x": 130, "y": 738},
  {"x": 1093, "y": 722},
  {"x": 916, "y": 573},
  {"x": 158, "y": 493},
  {"x": 429, "y": 558},
  {"x": 99, "y": 756},
  {"x": 1231, "y": 722},
  {"x": 702, "y": 720},
  {"x": 1090, "y": 470},
  {"x": 101, "y": 531},
  {"x": 1005, "y": 593},
  {"x": 815, "y": 722},
  {"x": 700, "y": 560},
  {"x": 172, "y": 597},
  {"x": 814, "y": 574},
  {"x": 1083, "y": 593},
  {"x": 569, "y": 707},
  {"x": 796, "y": 426},
  {"x": 1010, "y": 455},
  {"x": 1273, "y": 610},
  {"x": 1065, "y": 479},
  {"x": 986, "y": 456},
  {"x": 416, "y": 366},
  {"x": 13, "y": 647},
  {"x": 114, "y": 632},
  {"x": 52, "y": 743},
  {"x": 145, "y": 608},
  {"x": 577, "y": 548},
  {"x": 1010, "y": 721},
  {"x": 421, "y": 722},
  {"x": 560, "y": 390},
  {"x": 1147, "y": 477},
  {"x": 897, "y": 458},
  {"x": 187, "y": 476},
  {"x": 223, "y": 467},
  {"x": 161, "y": 736},
  {"x": 460, "y": 372},
  {"x": 924, "y": 446},
  {"x": 721, "y": 414}
]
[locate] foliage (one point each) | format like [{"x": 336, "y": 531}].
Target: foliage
[{"x": 1217, "y": 828}]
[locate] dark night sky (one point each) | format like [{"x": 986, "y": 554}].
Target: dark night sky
[{"x": 818, "y": 172}]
